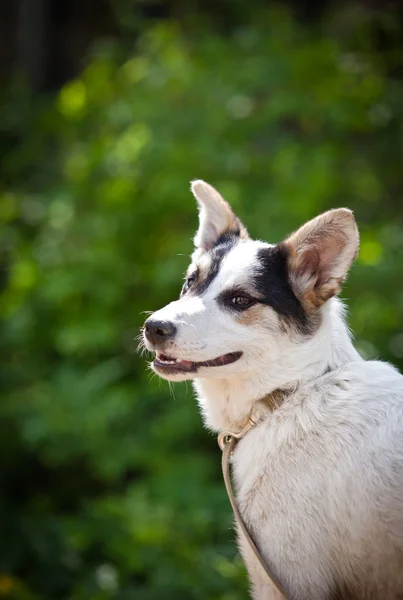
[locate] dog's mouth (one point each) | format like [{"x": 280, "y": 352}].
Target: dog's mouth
[{"x": 168, "y": 364}]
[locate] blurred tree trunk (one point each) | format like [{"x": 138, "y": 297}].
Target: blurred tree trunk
[
  {"x": 32, "y": 42},
  {"x": 48, "y": 39}
]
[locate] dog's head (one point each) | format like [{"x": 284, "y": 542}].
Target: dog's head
[{"x": 246, "y": 302}]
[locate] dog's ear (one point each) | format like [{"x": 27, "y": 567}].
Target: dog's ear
[
  {"x": 215, "y": 216},
  {"x": 320, "y": 254}
]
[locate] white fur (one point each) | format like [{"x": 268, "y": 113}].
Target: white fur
[
  {"x": 320, "y": 479},
  {"x": 319, "y": 484}
]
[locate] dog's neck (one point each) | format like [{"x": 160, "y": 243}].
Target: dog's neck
[{"x": 227, "y": 403}]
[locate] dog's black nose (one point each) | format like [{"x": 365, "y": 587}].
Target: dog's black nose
[{"x": 159, "y": 331}]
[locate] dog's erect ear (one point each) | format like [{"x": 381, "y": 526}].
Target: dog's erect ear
[
  {"x": 215, "y": 216},
  {"x": 320, "y": 255}
]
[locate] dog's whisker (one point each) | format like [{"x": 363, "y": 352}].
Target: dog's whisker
[
  {"x": 141, "y": 347},
  {"x": 171, "y": 389}
]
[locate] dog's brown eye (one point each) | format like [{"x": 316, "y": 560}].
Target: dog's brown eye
[
  {"x": 188, "y": 283},
  {"x": 241, "y": 301},
  {"x": 236, "y": 300}
]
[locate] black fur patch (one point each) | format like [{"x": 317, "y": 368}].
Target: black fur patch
[
  {"x": 224, "y": 244},
  {"x": 272, "y": 284},
  {"x": 270, "y": 280}
]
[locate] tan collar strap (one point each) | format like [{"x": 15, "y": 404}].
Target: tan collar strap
[
  {"x": 227, "y": 441},
  {"x": 225, "y": 436},
  {"x": 272, "y": 400}
]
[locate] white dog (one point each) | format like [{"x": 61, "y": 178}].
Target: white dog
[{"x": 259, "y": 329}]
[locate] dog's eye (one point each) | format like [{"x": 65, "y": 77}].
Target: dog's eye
[
  {"x": 188, "y": 283},
  {"x": 236, "y": 300},
  {"x": 241, "y": 301}
]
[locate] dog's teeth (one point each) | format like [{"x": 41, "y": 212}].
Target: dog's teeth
[{"x": 166, "y": 361}]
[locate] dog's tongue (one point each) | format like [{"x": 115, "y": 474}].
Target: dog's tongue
[{"x": 184, "y": 363}]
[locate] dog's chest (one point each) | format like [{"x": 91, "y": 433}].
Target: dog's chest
[
  {"x": 279, "y": 469},
  {"x": 294, "y": 489}
]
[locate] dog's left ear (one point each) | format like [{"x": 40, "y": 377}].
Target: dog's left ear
[
  {"x": 320, "y": 254},
  {"x": 215, "y": 216}
]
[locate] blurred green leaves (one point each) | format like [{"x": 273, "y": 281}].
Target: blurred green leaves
[
  {"x": 111, "y": 488},
  {"x": 73, "y": 100}
]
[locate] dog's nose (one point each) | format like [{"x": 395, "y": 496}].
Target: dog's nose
[{"x": 159, "y": 331}]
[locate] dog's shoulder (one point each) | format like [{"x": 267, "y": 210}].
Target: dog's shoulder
[
  {"x": 364, "y": 385},
  {"x": 355, "y": 408},
  {"x": 377, "y": 370},
  {"x": 360, "y": 397}
]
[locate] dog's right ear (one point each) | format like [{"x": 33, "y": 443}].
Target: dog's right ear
[{"x": 215, "y": 216}]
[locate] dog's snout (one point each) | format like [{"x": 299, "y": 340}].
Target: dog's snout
[{"x": 159, "y": 331}]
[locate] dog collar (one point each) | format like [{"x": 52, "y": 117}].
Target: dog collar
[
  {"x": 224, "y": 437},
  {"x": 271, "y": 400}
]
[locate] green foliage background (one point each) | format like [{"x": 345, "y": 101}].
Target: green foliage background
[{"x": 110, "y": 486}]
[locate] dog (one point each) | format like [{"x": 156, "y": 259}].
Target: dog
[{"x": 261, "y": 332}]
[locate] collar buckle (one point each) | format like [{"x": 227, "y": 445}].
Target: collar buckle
[{"x": 225, "y": 437}]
